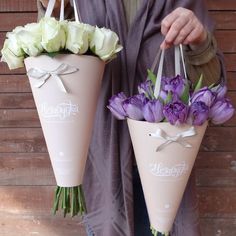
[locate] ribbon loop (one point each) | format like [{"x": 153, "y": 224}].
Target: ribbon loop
[
  {"x": 43, "y": 75},
  {"x": 178, "y": 138}
]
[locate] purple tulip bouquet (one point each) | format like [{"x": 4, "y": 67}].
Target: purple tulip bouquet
[
  {"x": 175, "y": 121},
  {"x": 178, "y": 103}
]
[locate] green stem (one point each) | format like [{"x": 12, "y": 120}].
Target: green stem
[
  {"x": 71, "y": 200},
  {"x": 157, "y": 233}
]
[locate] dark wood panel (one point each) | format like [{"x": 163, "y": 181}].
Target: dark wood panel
[
  {"x": 216, "y": 177},
  {"x": 22, "y": 140},
  {"x": 28, "y": 225},
  {"x": 12, "y": 118},
  {"x": 18, "y": 5},
  {"x": 218, "y": 226},
  {"x": 217, "y": 202},
  {"x": 5, "y": 70},
  {"x": 14, "y": 84},
  {"x": 221, "y": 4},
  {"x": 230, "y": 62},
  {"x": 16, "y": 100},
  {"x": 216, "y": 160},
  {"x": 8, "y": 21},
  {"x": 219, "y": 139},
  {"x": 225, "y": 20},
  {"x": 26, "y": 169},
  {"x": 226, "y": 40}
]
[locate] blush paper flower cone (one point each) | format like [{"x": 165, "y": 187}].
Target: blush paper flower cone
[
  {"x": 165, "y": 172},
  {"x": 66, "y": 117}
]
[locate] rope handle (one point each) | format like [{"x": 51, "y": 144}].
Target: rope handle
[
  {"x": 179, "y": 57},
  {"x": 51, "y": 5}
]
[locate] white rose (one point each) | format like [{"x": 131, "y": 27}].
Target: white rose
[
  {"x": 30, "y": 39},
  {"x": 13, "y": 61},
  {"x": 53, "y": 34},
  {"x": 104, "y": 43},
  {"x": 77, "y": 38}
]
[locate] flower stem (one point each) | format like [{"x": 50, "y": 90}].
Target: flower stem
[
  {"x": 157, "y": 233},
  {"x": 71, "y": 200}
]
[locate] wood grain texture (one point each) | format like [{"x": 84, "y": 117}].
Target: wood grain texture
[
  {"x": 221, "y": 5},
  {"x": 18, "y": 5}
]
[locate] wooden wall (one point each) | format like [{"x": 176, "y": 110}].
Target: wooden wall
[{"x": 26, "y": 178}]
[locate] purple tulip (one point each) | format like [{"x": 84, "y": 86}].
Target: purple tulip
[
  {"x": 176, "y": 112},
  {"x": 198, "y": 113},
  {"x": 204, "y": 95},
  {"x": 147, "y": 88},
  {"x": 176, "y": 85},
  {"x": 220, "y": 91},
  {"x": 133, "y": 106},
  {"x": 153, "y": 111},
  {"x": 221, "y": 111},
  {"x": 116, "y": 106}
]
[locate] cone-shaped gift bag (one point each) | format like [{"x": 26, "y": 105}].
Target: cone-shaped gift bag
[
  {"x": 165, "y": 155},
  {"x": 66, "y": 89}
]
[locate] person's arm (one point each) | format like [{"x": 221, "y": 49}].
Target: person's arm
[
  {"x": 182, "y": 26},
  {"x": 42, "y": 5}
]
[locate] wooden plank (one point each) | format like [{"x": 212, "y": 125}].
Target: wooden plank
[
  {"x": 32, "y": 140},
  {"x": 18, "y": 5},
  {"x": 225, "y": 20},
  {"x": 4, "y": 70},
  {"x": 16, "y": 100},
  {"x": 218, "y": 226},
  {"x": 230, "y": 62},
  {"x": 22, "y": 140},
  {"x": 17, "y": 118},
  {"x": 14, "y": 84},
  {"x": 217, "y": 202},
  {"x": 219, "y": 139},
  {"x": 216, "y": 160},
  {"x": 221, "y": 4},
  {"x": 8, "y": 21},
  {"x": 26, "y": 169},
  {"x": 28, "y": 225},
  {"x": 215, "y": 177},
  {"x": 226, "y": 40}
]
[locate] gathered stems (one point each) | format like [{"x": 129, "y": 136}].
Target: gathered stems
[
  {"x": 156, "y": 233},
  {"x": 71, "y": 200}
]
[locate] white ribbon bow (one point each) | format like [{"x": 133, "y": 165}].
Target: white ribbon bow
[
  {"x": 178, "y": 138},
  {"x": 43, "y": 75}
]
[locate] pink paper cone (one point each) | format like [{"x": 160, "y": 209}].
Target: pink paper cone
[
  {"x": 164, "y": 173},
  {"x": 66, "y": 118}
]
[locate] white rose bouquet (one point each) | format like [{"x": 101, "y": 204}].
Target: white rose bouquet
[
  {"x": 51, "y": 36},
  {"x": 58, "y": 56}
]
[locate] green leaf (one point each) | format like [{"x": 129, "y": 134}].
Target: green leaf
[
  {"x": 199, "y": 84},
  {"x": 185, "y": 95},
  {"x": 93, "y": 49},
  {"x": 211, "y": 86},
  {"x": 169, "y": 98},
  {"x": 52, "y": 54},
  {"x": 152, "y": 76}
]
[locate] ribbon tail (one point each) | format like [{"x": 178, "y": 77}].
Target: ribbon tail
[
  {"x": 60, "y": 83},
  {"x": 162, "y": 146}
]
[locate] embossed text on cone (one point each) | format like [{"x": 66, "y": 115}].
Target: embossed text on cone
[
  {"x": 66, "y": 89},
  {"x": 164, "y": 165}
]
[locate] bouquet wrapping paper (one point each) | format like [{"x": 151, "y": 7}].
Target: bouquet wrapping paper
[
  {"x": 65, "y": 90},
  {"x": 165, "y": 155}
]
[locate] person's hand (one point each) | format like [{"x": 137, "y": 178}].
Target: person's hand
[{"x": 182, "y": 27}]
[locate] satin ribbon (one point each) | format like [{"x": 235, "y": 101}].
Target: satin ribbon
[
  {"x": 43, "y": 75},
  {"x": 178, "y": 138}
]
